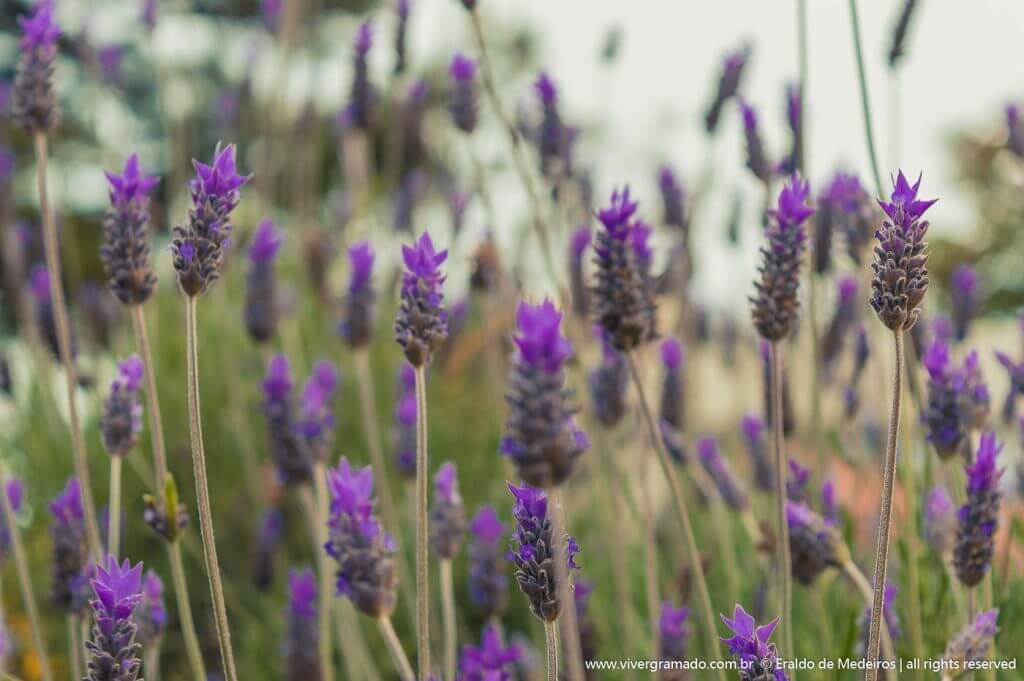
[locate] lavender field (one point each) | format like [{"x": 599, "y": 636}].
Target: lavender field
[{"x": 339, "y": 341}]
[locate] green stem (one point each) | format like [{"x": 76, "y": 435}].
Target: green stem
[
  {"x": 865, "y": 101},
  {"x": 60, "y": 317},
  {"x": 152, "y": 663},
  {"x": 156, "y": 428},
  {"x": 885, "y": 514},
  {"x": 188, "y": 625},
  {"x": 551, "y": 643},
  {"x": 448, "y": 615},
  {"x": 853, "y": 572},
  {"x": 910, "y": 529},
  {"x": 220, "y": 613},
  {"x": 784, "y": 557},
  {"x": 114, "y": 512},
  {"x": 422, "y": 567},
  {"x": 692, "y": 554},
  {"x": 395, "y": 647},
  {"x": 74, "y": 648},
  {"x": 324, "y": 571}
]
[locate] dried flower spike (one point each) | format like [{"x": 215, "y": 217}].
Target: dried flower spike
[
  {"x": 125, "y": 250},
  {"x": 422, "y": 323}
]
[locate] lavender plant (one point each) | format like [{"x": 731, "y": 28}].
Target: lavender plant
[
  {"x": 673, "y": 635},
  {"x": 492, "y": 660},
  {"x": 979, "y": 517},
  {"x": 301, "y": 658},
  {"x": 488, "y": 583},
  {"x": 113, "y": 652},
  {"x": 120, "y": 428},
  {"x": 261, "y": 283},
  {"x": 463, "y": 103},
  {"x": 733, "y": 68},
  {"x": 971, "y": 644},
  {"x": 751, "y": 645}
]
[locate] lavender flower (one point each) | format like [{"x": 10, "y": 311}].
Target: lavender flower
[
  {"x": 34, "y": 103},
  {"x": 552, "y": 136},
  {"x": 829, "y": 506},
  {"x": 401, "y": 34},
  {"x": 966, "y": 295},
  {"x": 753, "y": 438},
  {"x": 152, "y": 611},
  {"x": 900, "y": 266},
  {"x": 413, "y": 152},
  {"x": 448, "y": 515},
  {"x": 362, "y": 97},
  {"x": 301, "y": 657},
  {"x": 787, "y": 401},
  {"x": 844, "y": 205},
  {"x": 1014, "y": 132},
  {"x": 122, "y": 410},
  {"x": 728, "y": 86},
  {"x": 795, "y": 117},
  {"x": 976, "y": 396},
  {"x": 578, "y": 243},
  {"x": 261, "y": 284},
  {"x": 198, "y": 247},
  {"x": 125, "y": 248},
  {"x": 363, "y": 551},
  {"x": 979, "y": 517},
  {"x": 148, "y": 15},
  {"x": 39, "y": 287},
  {"x": 1016, "y": 372},
  {"x": 940, "y": 522},
  {"x": 271, "y": 12},
  {"x": 945, "y": 415},
  {"x": 623, "y": 299},
  {"x": 315, "y": 423},
  {"x": 847, "y": 312},
  {"x": 15, "y": 495},
  {"x": 491, "y": 661},
  {"x": 732, "y": 491},
  {"x": 541, "y": 438},
  {"x": 405, "y": 424},
  {"x": 672, "y": 387},
  {"x": 674, "y": 199},
  {"x": 861, "y": 353},
  {"x": 775, "y": 303},
  {"x": 265, "y": 548},
  {"x": 815, "y": 544},
  {"x": 488, "y": 583},
  {"x": 757, "y": 160},
  {"x": 889, "y": 613},
  {"x": 421, "y": 324},
  {"x": 673, "y": 634},
  {"x": 608, "y": 384},
  {"x": 972, "y": 643},
  {"x": 796, "y": 483},
  {"x": 581, "y": 593},
  {"x": 356, "y": 328},
  {"x": 292, "y": 464},
  {"x": 113, "y": 653},
  {"x": 532, "y": 552},
  {"x": 898, "y": 46},
  {"x": 750, "y": 644},
  {"x": 70, "y": 553},
  {"x": 463, "y": 103}
]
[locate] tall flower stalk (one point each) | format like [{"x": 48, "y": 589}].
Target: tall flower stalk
[
  {"x": 420, "y": 328},
  {"x": 120, "y": 427},
  {"x": 35, "y": 108},
  {"x": 447, "y": 531},
  {"x": 899, "y": 284},
  {"x": 198, "y": 250}
]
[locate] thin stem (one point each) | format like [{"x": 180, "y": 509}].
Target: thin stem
[
  {"x": 422, "y": 567},
  {"x": 28, "y": 597},
  {"x": 60, "y": 317},
  {"x": 865, "y": 101},
  {"x": 220, "y": 613},
  {"x": 651, "y": 569},
  {"x": 324, "y": 571},
  {"x": 152, "y": 663},
  {"x": 853, "y": 572},
  {"x": 551, "y": 639},
  {"x": 570, "y": 626},
  {"x": 156, "y": 428},
  {"x": 913, "y": 549},
  {"x": 692, "y": 555},
  {"x": 885, "y": 514},
  {"x": 114, "y": 510},
  {"x": 782, "y": 527},
  {"x": 74, "y": 648},
  {"x": 801, "y": 30},
  {"x": 352, "y": 644},
  {"x": 448, "y": 615},
  {"x": 188, "y": 625},
  {"x": 395, "y": 647}
]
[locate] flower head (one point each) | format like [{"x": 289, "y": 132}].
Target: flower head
[
  {"x": 315, "y": 421},
  {"x": 978, "y": 518},
  {"x": 751, "y": 645},
  {"x": 814, "y": 542},
  {"x": 965, "y": 292},
  {"x": 488, "y": 584},
  {"x": 301, "y": 654},
  {"x": 266, "y": 242},
  {"x": 972, "y": 643},
  {"x": 421, "y": 324},
  {"x": 540, "y": 340},
  {"x": 112, "y": 649},
  {"x": 673, "y": 632},
  {"x": 728, "y": 486},
  {"x": 152, "y": 611},
  {"x": 361, "y": 99},
  {"x": 727, "y": 86},
  {"x": 122, "y": 410},
  {"x": 672, "y": 353},
  {"x": 34, "y": 104},
  {"x": 132, "y": 184},
  {"x": 447, "y": 515},
  {"x": 491, "y": 661},
  {"x": 757, "y": 159}
]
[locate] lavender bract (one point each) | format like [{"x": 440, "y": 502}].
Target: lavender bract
[
  {"x": 125, "y": 251},
  {"x": 301, "y": 656},
  {"x": 356, "y": 327},
  {"x": 488, "y": 583},
  {"x": 122, "y": 410},
  {"x": 541, "y": 438},
  {"x": 751, "y": 646},
  {"x": 900, "y": 265},
  {"x": 447, "y": 515},
  {"x": 422, "y": 323},
  {"x": 463, "y": 104},
  {"x": 979, "y": 517},
  {"x": 34, "y": 103},
  {"x": 261, "y": 311},
  {"x": 198, "y": 247},
  {"x": 112, "y": 651}
]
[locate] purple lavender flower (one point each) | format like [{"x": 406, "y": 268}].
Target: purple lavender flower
[
  {"x": 732, "y": 491},
  {"x": 581, "y": 592},
  {"x": 39, "y": 287},
  {"x": 900, "y": 266},
  {"x": 795, "y": 118},
  {"x": 401, "y": 35},
  {"x": 271, "y": 10},
  {"x": 1014, "y": 132},
  {"x": 797, "y": 481},
  {"x": 301, "y": 656},
  {"x": 491, "y": 661},
  {"x": 152, "y": 611},
  {"x": 975, "y": 392},
  {"x": 608, "y": 383},
  {"x": 674, "y": 199},
  {"x": 757, "y": 160},
  {"x": 406, "y": 196},
  {"x": 945, "y": 415},
  {"x": 847, "y": 313},
  {"x": 673, "y": 632},
  {"x": 750, "y": 644},
  {"x": 728, "y": 86},
  {"x": 148, "y": 15},
  {"x": 362, "y": 97},
  {"x": 447, "y": 514},
  {"x": 533, "y": 555},
  {"x": 113, "y": 653},
  {"x": 363, "y": 551},
  {"x": 261, "y": 284},
  {"x": 292, "y": 464},
  {"x": 70, "y": 553},
  {"x": 966, "y": 296},
  {"x": 829, "y": 505},
  {"x": 122, "y": 410},
  {"x": 488, "y": 583},
  {"x": 940, "y": 522},
  {"x": 1016, "y": 372},
  {"x": 404, "y": 435},
  {"x": 898, "y": 45},
  {"x": 552, "y": 135},
  {"x": 753, "y": 438},
  {"x": 787, "y": 401},
  {"x": 541, "y": 438},
  {"x": 463, "y": 103},
  {"x": 34, "y": 103},
  {"x": 889, "y": 613},
  {"x": 198, "y": 247},
  {"x": 265, "y": 548},
  {"x": 315, "y": 423},
  {"x": 15, "y": 495},
  {"x": 579, "y": 240},
  {"x": 421, "y": 324},
  {"x": 861, "y": 353},
  {"x": 356, "y": 328},
  {"x": 815, "y": 544},
  {"x": 623, "y": 297},
  {"x": 125, "y": 249},
  {"x": 673, "y": 406},
  {"x": 972, "y": 643},
  {"x": 844, "y": 205},
  {"x": 978, "y": 518}
]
